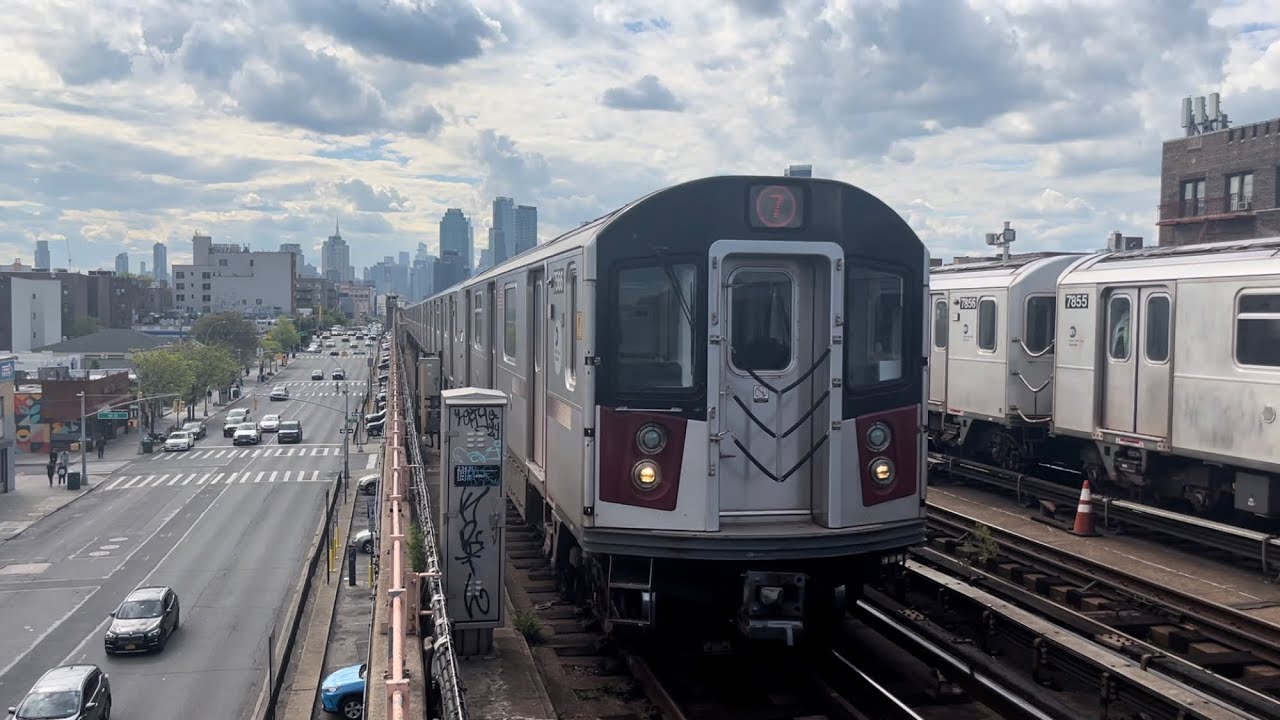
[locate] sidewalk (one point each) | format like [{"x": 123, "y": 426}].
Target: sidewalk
[{"x": 30, "y": 501}]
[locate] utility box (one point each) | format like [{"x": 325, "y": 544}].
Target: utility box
[
  {"x": 473, "y": 514},
  {"x": 429, "y": 394}
]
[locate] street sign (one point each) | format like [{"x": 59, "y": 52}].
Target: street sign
[
  {"x": 345, "y": 431},
  {"x": 113, "y": 414}
]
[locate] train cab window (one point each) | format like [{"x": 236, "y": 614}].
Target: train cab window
[
  {"x": 655, "y": 318},
  {"x": 510, "y": 321},
  {"x": 761, "y": 303},
  {"x": 987, "y": 321},
  {"x": 1041, "y": 311},
  {"x": 1119, "y": 335},
  {"x": 1156, "y": 335},
  {"x": 477, "y": 320},
  {"x": 873, "y": 335},
  {"x": 940, "y": 324},
  {"x": 1258, "y": 330}
]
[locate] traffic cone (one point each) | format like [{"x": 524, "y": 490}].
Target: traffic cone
[{"x": 1084, "y": 514}]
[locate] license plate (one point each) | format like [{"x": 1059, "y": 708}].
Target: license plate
[{"x": 130, "y": 646}]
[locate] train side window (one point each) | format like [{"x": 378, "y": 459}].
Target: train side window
[
  {"x": 1156, "y": 334},
  {"x": 510, "y": 320},
  {"x": 656, "y": 308},
  {"x": 1119, "y": 335},
  {"x": 873, "y": 335},
  {"x": 477, "y": 320},
  {"x": 1258, "y": 330},
  {"x": 571, "y": 362},
  {"x": 987, "y": 317},
  {"x": 940, "y": 324},
  {"x": 1040, "y": 318}
]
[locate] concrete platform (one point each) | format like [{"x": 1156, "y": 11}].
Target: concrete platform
[
  {"x": 505, "y": 685},
  {"x": 1203, "y": 577}
]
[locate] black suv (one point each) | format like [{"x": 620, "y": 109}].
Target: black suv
[
  {"x": 69, "y": 692},
  {"x": 289, "y": 431},
  {"x": 144, "y": 621}
]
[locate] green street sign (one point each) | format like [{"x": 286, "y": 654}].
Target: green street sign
[{"x": 113, "y": 414}]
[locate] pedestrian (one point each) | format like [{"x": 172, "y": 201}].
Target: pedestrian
[
  {"x": 102, "y": 446},
  {"x": 51, "y": 467},
  {"x": 64, "y": 458}
]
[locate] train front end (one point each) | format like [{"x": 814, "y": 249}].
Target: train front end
[{"x": 760, "y": 399}]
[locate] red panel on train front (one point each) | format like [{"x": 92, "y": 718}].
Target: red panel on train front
[
  {"x": 619, "y": 455},
  {"x": 903, "y": 451}
]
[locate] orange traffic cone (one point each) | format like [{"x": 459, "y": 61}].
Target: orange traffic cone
[{"x": 1084, "y": 514}]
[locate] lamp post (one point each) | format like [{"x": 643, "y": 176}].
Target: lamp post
[{"x": 84, "y": 456}]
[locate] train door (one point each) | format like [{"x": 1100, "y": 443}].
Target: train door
[
  {"x": 490, "y": 343},
  {"x": 537, "y": 368},
  {"x": 771, "y": 356},
  {"x": 938, "y": 351},
  {"x": 1136, "y": 360}
]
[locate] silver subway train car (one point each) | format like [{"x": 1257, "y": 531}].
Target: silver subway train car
[{"x": 717, "y": 396}]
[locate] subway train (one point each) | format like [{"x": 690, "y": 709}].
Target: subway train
[
  {"x": 1153, "y": 371},
  {"x": 716, "y": 395}
]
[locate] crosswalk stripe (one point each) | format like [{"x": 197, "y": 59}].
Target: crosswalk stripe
[
  {"x": 114, "y": 483},
  {"x": 175, "y": 478},
  {"x": 287, "y": 473},
  {"x": 315, "y": 475},
  {"x": 273, "y": 476},
  {"x": 217, "y": 478},
  {"x": 232, "y": 478}
]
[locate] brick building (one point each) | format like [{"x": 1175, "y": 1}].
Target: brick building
[{"x": 1222, "y": 185}]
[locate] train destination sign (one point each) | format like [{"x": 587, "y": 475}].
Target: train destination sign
[{"x": 776, "y": 206}]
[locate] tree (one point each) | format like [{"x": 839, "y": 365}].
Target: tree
[
  {"x": 83, "y": 325},
  {"x": 163, "y": 371},
  {"x": 329, "y": 318},
  {"x": 231, "y": 330},
  {"x": 212, "y": 366},
  {"x": 285, "y": 333}
]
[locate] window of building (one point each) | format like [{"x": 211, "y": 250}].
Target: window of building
[
  {"x": 1240, "y": 191},
  {"x": 222, "y": 262},
  {"x": 206, "y": 298},
  {"x": 206, "y": 286},
  {"x": 1258, "y": 330},
  {"x": 510, "y": 322},
  {"x": 1156, "y": 338},
  {"x": 1193, "y": 197},
  {"x": 987, "y": 317},
  {"x": 873, "y": 337},
  {"x": 1119, "y": 333},
  {"x": 250, "y": 262},
  {"x": 179, "y": 274},
  {"x": 206, "y": 275},
  {"x": 181, "y": 298},
  {"x": 761, "y": 311},
  {"x": 1041, "y": 312},
  {"x": 940, "y": 324},
  {"x": 655, "y": 327},
  {"x": 477, "y": 320},
  {"x": 180, "y": 286}
]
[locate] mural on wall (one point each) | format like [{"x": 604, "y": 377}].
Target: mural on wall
[{"x": 32, "y": 432}]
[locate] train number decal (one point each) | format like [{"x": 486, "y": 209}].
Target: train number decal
[
  {"x": 969, "y": 303},
  {"x": 1077, "y": 301}
]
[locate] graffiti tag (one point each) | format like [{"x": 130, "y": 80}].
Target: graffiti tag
[
  {"x": 471, "y": 538},
  {"x": 484, "y": 420}
]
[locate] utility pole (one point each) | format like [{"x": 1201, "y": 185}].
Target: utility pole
[
  {"x": 84, "y": 455},
  {"x": 346, "y": 438}
]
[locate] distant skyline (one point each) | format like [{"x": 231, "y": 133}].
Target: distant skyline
[{"x": 258, "y": 123}]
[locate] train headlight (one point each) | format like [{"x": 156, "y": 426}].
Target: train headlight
[
  {"x": 881, "y": 471},
  {"x": 878, "y": 437},
  {"x": 651, "y": 439},
  {"x": 645, "y": 475}
]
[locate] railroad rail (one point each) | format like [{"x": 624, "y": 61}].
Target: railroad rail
[{"x": 1254, "y": 546}]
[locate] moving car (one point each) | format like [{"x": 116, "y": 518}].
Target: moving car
[
  {"x": 269, "y": 423},
  {"x": 279, "y": 392},
  {"x": 290, "y": 431},
  {"x": 68, "y": 692},
  {"x": 179, "y": 440},
  {"x": 343, "y": 692},
  {"x": 144, "y": 621},
  {"x": 339, "y": 375},
  {"x": 197, "y": 429},
  {"x": 317, "y": 374},
  {"x": 234, "y": 419},
  {"x": 246, "y": 434}
]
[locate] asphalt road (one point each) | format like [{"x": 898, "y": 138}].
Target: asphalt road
[{"x": 229, "y": 531}]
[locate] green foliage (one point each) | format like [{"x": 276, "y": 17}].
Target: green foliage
[
  {"x": 329, "y": 318},
  {"x": 528, "y": 624},
  {"x": 82, "y": 326},
  {"x": 982, "y": 545},
  {"x": 212, "y": 366},
  {"x": 285, "y": 333},
  {"x": 163, "y": 371},
  {"x": 231, "y": 330},
  {"x": 417, "y": 549}
]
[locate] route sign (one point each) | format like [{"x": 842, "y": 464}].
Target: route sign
[
  {"x": 113, "y": 414},
  {"x": 345, "y": 431}
]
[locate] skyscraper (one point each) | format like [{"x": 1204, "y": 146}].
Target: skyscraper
[
  {"x": 501, "y": 234},
  {"x": 160, "y": 262},
  {"x": 122, "y": 263},
  {"x": 42, "y": 255},
  {"x": 526, "y": 228},
  {"x": 455, "y": 238},
  {"x": 335, "y": 258}
]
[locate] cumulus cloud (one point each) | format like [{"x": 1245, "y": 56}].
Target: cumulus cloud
[
  {"x": 426, "y": 32},
  {"x": 92, "y": 62},
  {"x": 647, "y": 93},
  {"x": 372, "y": 198}
]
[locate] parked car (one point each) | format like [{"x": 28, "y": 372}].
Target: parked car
[
  {"x": 343, "y": 692},
  {"x": 68, "y": 692},
  {"x": 375, "y": 417},
  {"x": 290, "y": 431},
  {"x": 368, "y": 485},
  {"x": 179, "y": 440},
  {"x": 246, "y": 434},
  {"x": 374, "y": 429},
  {"x": 364, "y": 541},
  {"x": 197, "y": 429},
  {"x": 144, "y": 621},
  {"x": 235, "y": 418},
  {"x": 317, "y": 374},
  {"x": 279, "y": 392}
]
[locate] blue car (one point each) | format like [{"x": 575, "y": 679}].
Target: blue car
[{"x": 343, "y": 692}]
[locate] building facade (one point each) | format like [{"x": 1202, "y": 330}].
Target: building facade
[
  {"x": 225, "y": 277},
  {"x": 455, "y": 236},
  {"x": 335, "y": 259},
  {"x": 1221, "y": 185},
  {"x": 315, "y": 293},
  {"x": 30, "y": 313},
  {"x": 160, "y": 262},
  {"x": 122, "y": 263},
  {"x": 42, "y": 255},
  {"x": 357, "y": 300}
]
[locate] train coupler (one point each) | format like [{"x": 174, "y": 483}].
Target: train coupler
[{"x": 772, "y": 605}]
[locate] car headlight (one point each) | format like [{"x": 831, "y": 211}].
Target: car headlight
[
  {"x": 330, "y": 690},
  {"x": 153, "y": 633},
  {"x": 111, "y": 635},
  {"x": 645, "y": 476}
]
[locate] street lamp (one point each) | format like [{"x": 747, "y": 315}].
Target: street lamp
[{"x": 84, "y": 456}]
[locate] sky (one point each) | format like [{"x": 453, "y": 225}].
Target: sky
[{"x": 126, "y": 123}]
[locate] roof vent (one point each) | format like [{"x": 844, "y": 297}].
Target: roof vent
[{"x": 1119, "y": 243}]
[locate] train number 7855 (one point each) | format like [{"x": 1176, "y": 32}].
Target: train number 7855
[{"x": 1077, "y": 301}]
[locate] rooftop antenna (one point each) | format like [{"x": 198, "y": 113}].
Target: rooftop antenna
[
  {"x": 1203, "y": 115},
  {"x": 1002, "y": 240}
]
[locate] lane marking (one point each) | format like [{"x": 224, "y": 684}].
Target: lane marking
[{"x": 49, "y": 630}]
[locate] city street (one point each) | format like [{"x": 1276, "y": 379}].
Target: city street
[{"x": 227, "y": 528}]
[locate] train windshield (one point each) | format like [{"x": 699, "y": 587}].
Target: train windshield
[
  {"x": 873, "y": 346},
  {"x": 655, "y": 327}
]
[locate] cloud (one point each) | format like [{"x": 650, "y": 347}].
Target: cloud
[
  {"x": 375, "y": 199},
  {"x": 647, "y": 93},
  {"x": 425, "y": 32},
  {"x": 93, "y": 62}
]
